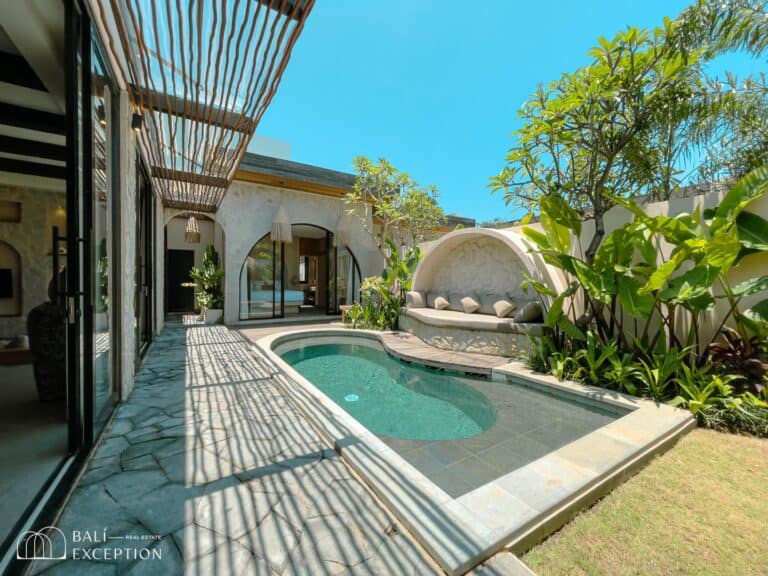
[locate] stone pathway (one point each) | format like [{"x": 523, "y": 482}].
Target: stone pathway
[{"x": 208, "y": 469}]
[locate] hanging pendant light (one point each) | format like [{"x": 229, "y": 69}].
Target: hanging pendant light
[
  {"x": 281, "y": 227},
  {"x": 192, "y": 231}
]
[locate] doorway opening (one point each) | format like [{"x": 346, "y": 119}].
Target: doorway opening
[{"x": 308, "y": 276}]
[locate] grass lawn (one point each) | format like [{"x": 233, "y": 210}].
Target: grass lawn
[{"x": 701, "y": 508}]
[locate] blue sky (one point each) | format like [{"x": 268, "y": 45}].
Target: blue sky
[{"x": 434, "y": 85}]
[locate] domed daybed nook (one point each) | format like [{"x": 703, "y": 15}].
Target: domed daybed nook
[{"x": 467, "y": 294}]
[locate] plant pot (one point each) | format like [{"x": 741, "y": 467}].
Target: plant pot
[{"x": 212, "y": 316}]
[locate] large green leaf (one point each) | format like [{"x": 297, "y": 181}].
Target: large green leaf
[
  {"x": 561, "y": 212},
  {"x": 540, "y": 287},
  {"x": 598, "y": 286},
  {"x": 753, "y": 231},
  {"x": 722, "y": 250},
  {"x": 569, "y": 328},
  {"x": 691, "y": 289},
  {"x": 742, "y": 193},
  {"x": 617, "y": 249},
  {"x": 751, "y": 286},
  {"x": 663, "y": 272},
  {"x": 634, "y": 303},
  {"x": 758, "y": 312},
  {"x": 558, "y": 235},
  {"x": 537, "y": 237}
]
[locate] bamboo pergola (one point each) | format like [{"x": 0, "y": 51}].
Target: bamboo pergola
[{"x": 201, "y": 73}]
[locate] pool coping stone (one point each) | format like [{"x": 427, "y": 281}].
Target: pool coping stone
[{"x": 513, "y": 511}]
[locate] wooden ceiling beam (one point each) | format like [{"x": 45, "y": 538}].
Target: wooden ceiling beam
[
  {"x": 187, "y": 109},
  {"x": 24, "y": 147},
  {"x": 20, "y": 117},
  {"x": 189, "y": 177},
  {"x": 32, "y": 168}
]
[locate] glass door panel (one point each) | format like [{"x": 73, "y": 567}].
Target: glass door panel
[
  {"x": 260, "y": 281},
  {"x": 101, "y": 208}
]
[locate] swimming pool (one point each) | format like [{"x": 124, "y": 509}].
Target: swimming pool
[
  {"x": 458, "y": 430},
  {"x": 518, "y": 454}
]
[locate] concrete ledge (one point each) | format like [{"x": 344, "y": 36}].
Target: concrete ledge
[
  {"x": 510, "y": 344},
  {"x": 514, "y": 510}
]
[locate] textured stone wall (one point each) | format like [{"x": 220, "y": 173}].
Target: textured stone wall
[
  {"x": 482, "y": 265},
  {"x": 463, "y": 340},
  {"x": 126, "y": 240},
  {"x": 31, "y": 238},
  {"x": 246, "y": 215}
]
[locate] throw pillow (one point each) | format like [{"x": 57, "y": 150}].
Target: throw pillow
[
  {"x": 503, "y": 308},
  {"x": 441, "y": 303},
  {"x": 531, "y": 312},
  {"x": 414, "y": 299},
  {"x": 470, "y": 304}
]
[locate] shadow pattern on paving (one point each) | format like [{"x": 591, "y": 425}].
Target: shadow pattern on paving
[{"x": 210, "y": 459}]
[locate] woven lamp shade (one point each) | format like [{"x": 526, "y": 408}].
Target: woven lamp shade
[
  {"x": 192, "y": 231},
  {"x": 281, "y": 228}
]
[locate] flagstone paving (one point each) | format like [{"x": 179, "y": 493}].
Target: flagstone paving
[{"x": 208, "y": 466}]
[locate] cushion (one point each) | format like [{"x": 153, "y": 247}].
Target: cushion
[
  {"x": 482, "y": 322},
  {"x": 454, "y": 301},
  {"x": 487, "y": 300},
  {"x": 503, "y": 308},
  {"x": 430, "y": 297},
  {"x": 441, "y": 303},
  {"x": 415, "y": 299},
  {"x": 531, "y": 312},
  {"x": 470, "y": 304}
]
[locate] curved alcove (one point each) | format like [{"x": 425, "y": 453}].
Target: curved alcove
[{"x": 477, "y": 259}]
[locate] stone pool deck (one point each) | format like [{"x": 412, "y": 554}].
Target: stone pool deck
[{"x": 211, "y": 460}]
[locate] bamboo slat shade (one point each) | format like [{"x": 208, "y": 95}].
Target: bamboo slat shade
[{"x": 202, "y": 73}]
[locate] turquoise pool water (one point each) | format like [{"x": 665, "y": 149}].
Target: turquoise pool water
[{"x": 392, "y": 398}]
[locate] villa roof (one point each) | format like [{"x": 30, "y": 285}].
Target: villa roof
[
  {"x": 294, "y": 175},
  {"x": 260, "y": 169}
]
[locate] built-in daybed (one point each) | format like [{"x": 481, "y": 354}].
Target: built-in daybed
[{"x": 467, "y": 294}]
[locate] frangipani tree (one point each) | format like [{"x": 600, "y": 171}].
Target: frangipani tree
[{"x": 393, "y": 208}]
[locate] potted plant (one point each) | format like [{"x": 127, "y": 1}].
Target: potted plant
[{"x": 208, "y": 286}]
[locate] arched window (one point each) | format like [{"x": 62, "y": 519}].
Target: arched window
[{"x": 308, "y": 275}]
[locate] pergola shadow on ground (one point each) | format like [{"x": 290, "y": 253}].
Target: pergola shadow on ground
[{"x": 213, "y": 462}]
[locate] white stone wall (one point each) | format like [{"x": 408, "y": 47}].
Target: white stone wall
[
  {"x": 246, "y": 215},
  {"x": 480, "y": 265},
  {"x": 126, "y": 240},
  {"x": 159, "y": 264},
  {"x": 31, "y": 238}
]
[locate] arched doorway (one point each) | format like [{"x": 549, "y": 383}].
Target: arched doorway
[
  {"x": 306, "y": 276},
  {"x": 182, "y": 252}
]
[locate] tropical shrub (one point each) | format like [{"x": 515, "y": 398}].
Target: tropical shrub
[
  {"x": 381, "y": 297},
  {"x": 619, "y": 322},
  {"x": 632, "y": 300},
  {"x": 208, "y": 281}
]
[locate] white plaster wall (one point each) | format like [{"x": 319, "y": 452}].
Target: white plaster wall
[
  {"x": 40, "y": 210},
  {"x": 480, "y": 265},
  {"x": 159, "y": 263},
  {"x": 126, "y": 239},
  {"x": 208, "y": 235},
  {"x": 246, "y": 215}
]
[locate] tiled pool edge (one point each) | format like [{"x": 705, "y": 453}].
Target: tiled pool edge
[{"x": 461, "y": 533}]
